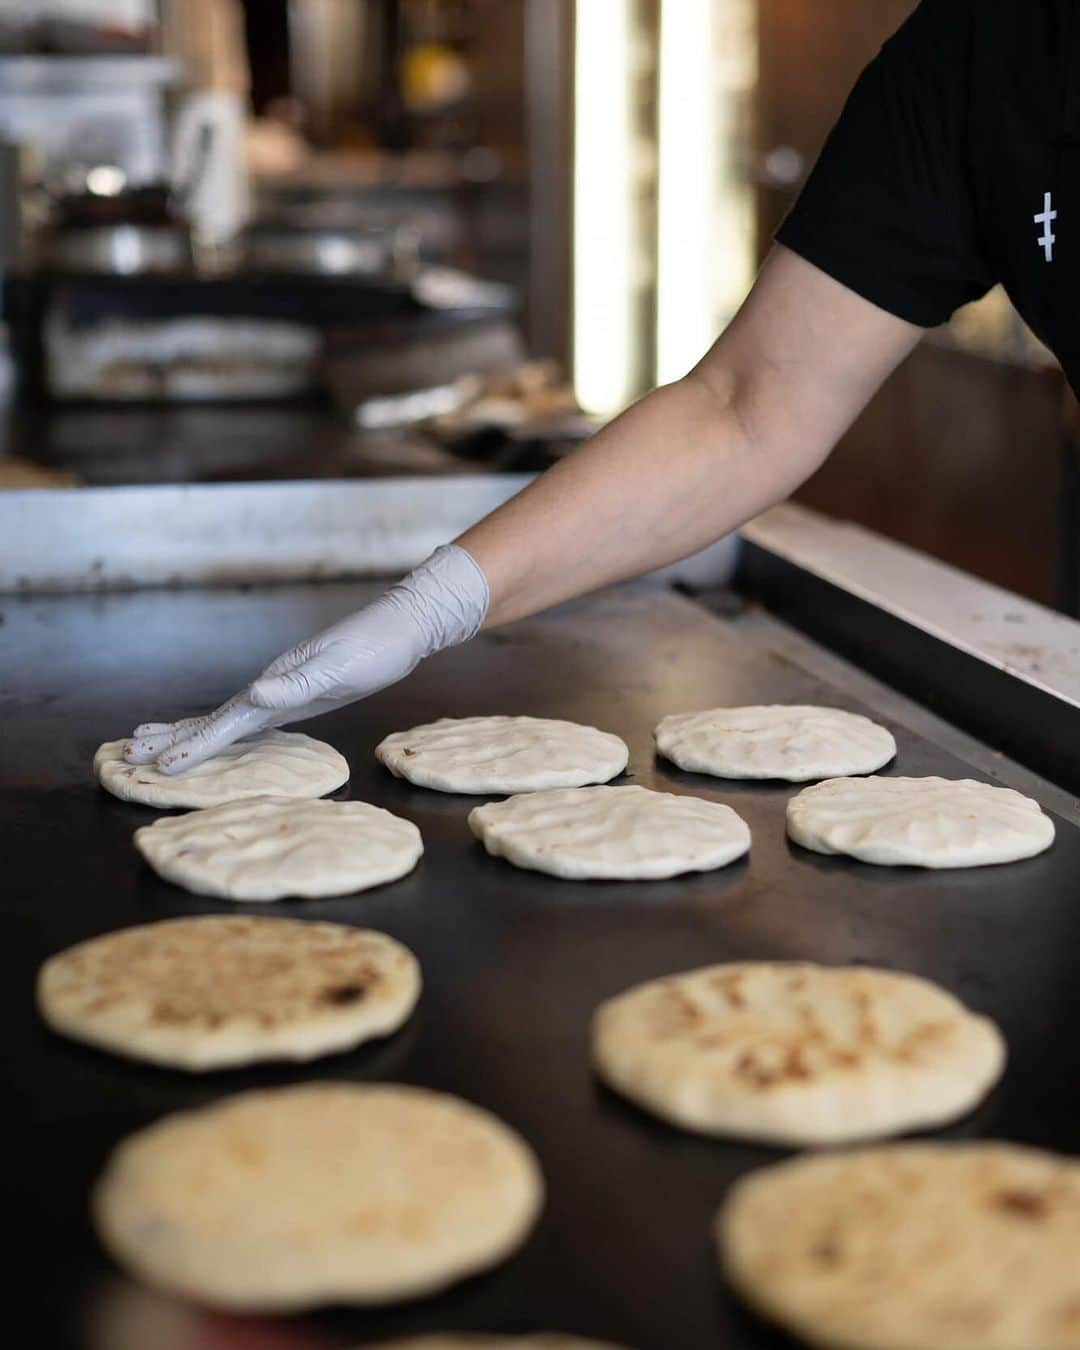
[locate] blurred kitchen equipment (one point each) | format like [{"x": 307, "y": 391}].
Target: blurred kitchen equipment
[
  {"x": 240, "y": 334},
  {"x": 78, "y": 113},
  {"x": 10, "y": 253},
  {"x": 145, "y": 204},
  {"x": 208, "y": 145},
  {"x": 208, "y": 161},
  {"x": 120, "y": 249},
  {"x": 197, "y": 162},
  {"x": 407, "y": 371},
  {"x": 328, "y": 237},
  {"x": 124, "y": 233},
  {"x": 69, "y": 37},
  {"x": 520, "y": 419},
  {"x": 11, "y": 215},
  {"x": 335, "y": 55},
  {"x": 518, "y": 400},
  {"x": 18, "y": 474},
  {"x": 188, "y": 359},
  {"x": 448, "y": 288},
  {"x": 278, "y": 246},
  {"x": 77, "y": 27}
]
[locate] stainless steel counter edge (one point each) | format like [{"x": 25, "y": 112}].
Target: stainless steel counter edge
[
  {"x": 1016, "y": 636},
  {"x": 115, "y": 538},
  {"x": 55, "y": 541}
]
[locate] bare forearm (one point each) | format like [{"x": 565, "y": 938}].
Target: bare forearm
[
  {"x": 671, "y": 475},
  {"x": 695, "y": 460}
]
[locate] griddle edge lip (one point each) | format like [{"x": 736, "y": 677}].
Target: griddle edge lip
[{"x": 1031, "y": 725}]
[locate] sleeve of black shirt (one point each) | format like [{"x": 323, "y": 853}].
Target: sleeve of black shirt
[{"x": 888, "y": 210}]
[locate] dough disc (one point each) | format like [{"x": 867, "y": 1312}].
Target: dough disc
[
  {"x": 322, "y": 1193},
  {"x": 266, "y": 848},
  {"x": 273, "y": 763},
  {"x": 912, "y": 1247},
  {"x": 777, "y": 741},
  {"x": 502, "y": 754},
  {"x": 796, "y": 1054},
  {"x": 222, "y": 990},
  {"x": 611, "y": 833},
  {"x": 919, "y": 822}
]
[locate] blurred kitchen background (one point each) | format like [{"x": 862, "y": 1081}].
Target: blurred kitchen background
[{"x": 341, "y": 238}]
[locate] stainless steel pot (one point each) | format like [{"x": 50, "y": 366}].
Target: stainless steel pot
[
  {"x": 120, "y": 249},
  {"x": 329, "y": 251}
]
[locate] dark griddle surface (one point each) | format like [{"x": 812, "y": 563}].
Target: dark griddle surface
[{"x": 514, "y": 962}]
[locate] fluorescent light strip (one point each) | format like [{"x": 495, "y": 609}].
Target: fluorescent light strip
[
  {"x": 603, "y": 206},
  {"x": 686, "y": 208}
]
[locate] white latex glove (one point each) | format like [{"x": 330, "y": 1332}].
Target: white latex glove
[{"x": 442, "y": 603}]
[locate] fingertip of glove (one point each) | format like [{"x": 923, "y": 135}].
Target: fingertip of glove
[
  {"x": 280, "y": 691},
  {"x": 261, "y": 693}
]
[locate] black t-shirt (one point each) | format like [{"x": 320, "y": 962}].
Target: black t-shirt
[{"x": 956, "y": 165}]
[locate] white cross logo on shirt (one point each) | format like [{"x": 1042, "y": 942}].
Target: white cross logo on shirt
[{"x": 1045, "y": 218}]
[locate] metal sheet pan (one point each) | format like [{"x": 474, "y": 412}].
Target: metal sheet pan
[{"x": 514, "y": 962}]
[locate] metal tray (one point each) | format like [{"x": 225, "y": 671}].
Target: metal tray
[{"x": 514, "y": 962}]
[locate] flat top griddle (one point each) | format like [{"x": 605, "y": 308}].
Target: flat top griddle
[{"x": 514, "y": 963}]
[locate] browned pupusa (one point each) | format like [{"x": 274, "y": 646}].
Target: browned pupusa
[
  {"x": 912, "y": 1247},
  {"x": 795, "y": 1053},
  {"x": 321, "y": 1193},
  {"x": 222, "y": 990}
]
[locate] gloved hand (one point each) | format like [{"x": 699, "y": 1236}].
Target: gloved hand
[{"x": 442, "y": 603}]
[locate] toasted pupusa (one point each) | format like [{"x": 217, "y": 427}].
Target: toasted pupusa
[
  {"x": 323, "y": 1193},
  {"x": 912, "y": 1247},
  {"x": 221, "y": 990},
  {"x": 796, "y": 1054}
]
